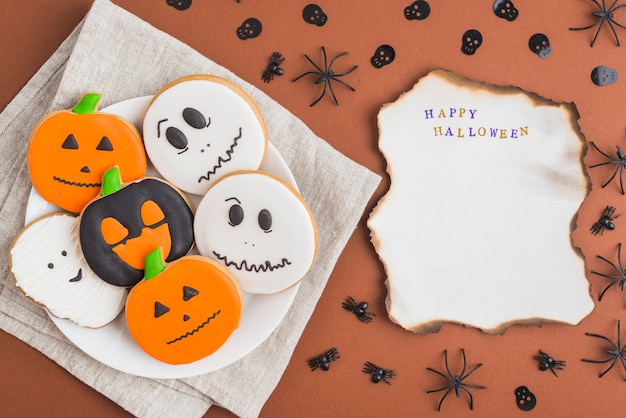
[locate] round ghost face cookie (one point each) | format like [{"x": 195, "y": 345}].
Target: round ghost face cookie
[
  {"x": 260, "y": 228},
  {"x": 199, "y": 128},
  {"x": 48, "y": 266}
]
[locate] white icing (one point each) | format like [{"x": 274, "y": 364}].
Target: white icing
[
  {"x": 475, "y": 229},
  {"x": 246, "y": 248},
  {"x": 233, "y": 138},
  {"x": 44, "y": 258}
]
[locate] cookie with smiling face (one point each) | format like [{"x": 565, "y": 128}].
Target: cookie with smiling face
[
  {"x": 260, "y": 228},
  {"x": 199, "y": 128},
  {"x": 48, "y": 266}
]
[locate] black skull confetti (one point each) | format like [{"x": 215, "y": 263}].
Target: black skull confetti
[
  {"x": 505, "y": 9},
  {"x": 314, "y": 15},
  {"x": 540, "y": 45},
  {"x": 179, "y": 4},
  {"x": 250, "y": 28},
  {"x": 471, "y": 41},
  {"x": 525, "y": 399},
  {"x": 418, "y": 10},
  {"x": 384, "y": 55},
  {"x": 603, "y": 76}
]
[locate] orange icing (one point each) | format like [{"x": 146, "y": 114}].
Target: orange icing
[
  {"x": 69, "y": 151},
  {"x": 186, "y": 312}
]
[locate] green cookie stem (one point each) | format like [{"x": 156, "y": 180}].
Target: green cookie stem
[
  {"x": 88, "y": 104},
  {"x": 154, "y": 264},
  {"x": 111, "y": 181}
]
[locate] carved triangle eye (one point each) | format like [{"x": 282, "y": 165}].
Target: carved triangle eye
[
  {"x": 70, "y": 142},
  {"x": 189, "y": 292},
  {"x": 160, "y": 309},
  {"x": 105, "y": 144}
]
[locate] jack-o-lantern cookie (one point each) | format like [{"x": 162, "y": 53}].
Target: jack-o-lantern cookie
[
  {"x": 260, "y": 228},
  {"x": 185, "y": 310},
  {"x": 118, "y": 229},
  {"x": 48, "y": 266},
  {"x": 70, "y": 149},
  {"x": 199, "y": 128}
]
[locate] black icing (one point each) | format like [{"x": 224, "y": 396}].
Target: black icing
[{"x": 125, "y": 206}]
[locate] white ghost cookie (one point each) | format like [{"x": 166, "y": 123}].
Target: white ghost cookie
[
  {"x": 260, "y": 228},
  {"x": 48, "y": 266},
  {"x": 199, "y": 128}
]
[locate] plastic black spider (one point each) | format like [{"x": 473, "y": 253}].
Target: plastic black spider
[
  {"x": 378, "y": 373},
  {"x": 619, "y": 278},
  {"x": 617, "y": 351},
  {"x": 327, "y": 75},
  {"x": 359, "y": 309},
  {"x": 546, "y": 362},
  {"x": 604, "y": 14},
  {"x": 273, "y": 67},
  {"x": 456, "y": 381},
  {"x": 620, "y": 161},
  {"x": 605, "y": 221},
  {"x": 323, "y": 360}
]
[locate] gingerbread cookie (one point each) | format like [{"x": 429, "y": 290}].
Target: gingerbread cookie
[
  {"x": 184, "y": 311},
  {"x": 70, "y": 149},
  {"x": 260, "y": 228},
  {"x": 120, "y": 228},
  {"x": 48, "y": 266},
  {"x": 201, "y": 127}
]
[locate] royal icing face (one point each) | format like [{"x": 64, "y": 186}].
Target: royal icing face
[
  {"x": 48, "y": 266},
  {"x": 118, "y": 230},
  {"x": 70, "y": 149},
  {"x": 259, "y": 228},
  {"x": 184, "y": 311},
  {"x": 200, "y": 128}
]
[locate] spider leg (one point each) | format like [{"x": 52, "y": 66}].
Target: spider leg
[
  {"x": 345, "y": 73},
  {"x": 619, "y": 168},
  {"x": 322, "y": 95},
  {"x": 332, "y": 92},
  {"x": 317, "y": 67},
  {"x": 445, "y": 356},
  {"x": 610, "y": 263},
  {"x": 610, "y": 367},
  {"x": 605, "y": 339},
  {"x": 605, "y": 289},
  {"x": 463, "y": 377},
  {"x": 440, "y": 374},
  {"x": 465, "y": 365},
  {"x": 443, "y": 397},
  {"x": 333, "y": 60},
  {"x": 593, "y": 144},
  {"x": 343, "y": 82},
  {"x": 471, "y": 398},
  {"x": 302, "y": 75}
]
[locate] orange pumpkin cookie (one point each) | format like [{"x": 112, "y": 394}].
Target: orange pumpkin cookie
[
  {"x": 70, "y": 149},
  {"x": 183, "y": 311}
]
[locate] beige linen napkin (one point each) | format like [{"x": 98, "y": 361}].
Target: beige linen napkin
[{"x": 92, "y": 59}]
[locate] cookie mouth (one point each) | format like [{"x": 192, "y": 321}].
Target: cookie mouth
[
  {"x": 222, "y": 159},
  {"x": 78, "y": 276},
  {"x": 193, "y": 331},
  {"x": 245, "y": 265},
  {"x": 75, "y": 183}
]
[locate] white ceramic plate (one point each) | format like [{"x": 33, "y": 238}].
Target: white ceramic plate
[{"x": 113, "y": 344}]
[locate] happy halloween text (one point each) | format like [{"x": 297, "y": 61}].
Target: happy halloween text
[{"x": 456, "y": 113}]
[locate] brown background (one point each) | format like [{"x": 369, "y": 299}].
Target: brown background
[{"x": 31, "y": 384}]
